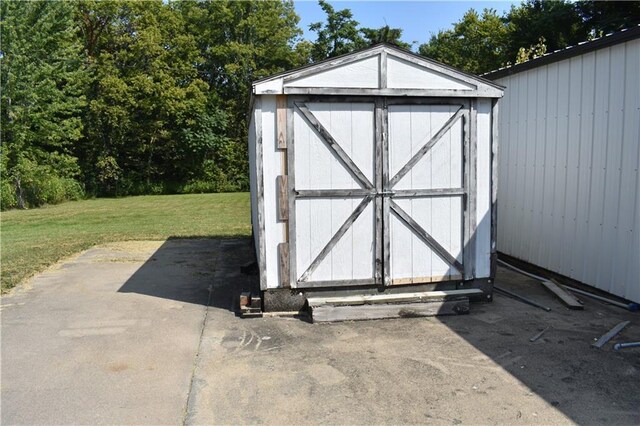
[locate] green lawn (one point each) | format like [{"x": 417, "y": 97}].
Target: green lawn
[{"x": 31, "y": 240}]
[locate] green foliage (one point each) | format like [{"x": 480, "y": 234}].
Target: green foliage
[
  {"x": 249, "y": 40},
  {"x": 603, "y": 17},
  {"x": 384, "y": 35},
  {"x": 339, "y": 35},
  {"x": 120, "y": 97},
  {"x": 475, "y": 44},
  {"x": 557, "y": 21},
  {"x": 482, "y": 43},
  {"x": 41, "y": 184},
  {"x": 533, "y": 52},
  {"x": 8, "y": 198},
  {"x": 43, "y": 83},
  {"x": 145, "y": 90}
]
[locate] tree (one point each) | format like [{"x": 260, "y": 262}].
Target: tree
[
  {"x": 43, "y": 81},
  {"x": 557, "y": 21},
  {"x": 249, "y": 40},
  {"x": 339, "y": 35},
  {"x": 476, "y": 43},
  {"x": 603, "y": 17},
  {"x": 532, "y": 52},
  {"x": 384, "y": 35},
  {"x": 145, "y": 89}
]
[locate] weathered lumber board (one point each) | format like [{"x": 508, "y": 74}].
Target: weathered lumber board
[
  {"x": 283, "y": 257},
  {"x": 610, "y": 334},
  {"x": 281, "y": 121},
  {"x": 568, "y": 299},
  {"x": 367, "y": 299},
  {"x": 331, "y": 313},
  {"x": 283, "y": 199}
]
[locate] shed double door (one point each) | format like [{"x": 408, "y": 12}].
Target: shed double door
[{"x": 377, "y": 191}]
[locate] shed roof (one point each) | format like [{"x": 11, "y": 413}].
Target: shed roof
[
  {"x": 383, "y": 70},
  {"x": 568, "y": 52}
]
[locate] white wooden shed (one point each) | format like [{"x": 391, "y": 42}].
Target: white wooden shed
[
  {"x": 374, "y": 172},
  {"x": 569, "y": 161}
]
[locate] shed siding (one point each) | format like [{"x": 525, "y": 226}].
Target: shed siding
[
  {"x": 406, "y": 75},
  {"x": 253, "y": 183},
  {"x": 363, "y": 73},
  {"x": 316, "y": 167},
  {"x": 569, "y": 155},
  {"x": 272, "y": 167},
  {"x": 410, "y": 127},
  {"x": 483, "y": 191}
]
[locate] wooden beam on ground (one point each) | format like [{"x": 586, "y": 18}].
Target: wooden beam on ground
[
  {"x": 331, "y": 313},
  {"x": 568, "y": 299},
  {"x": 610, "y": 335}
]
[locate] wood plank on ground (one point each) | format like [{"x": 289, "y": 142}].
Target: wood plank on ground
[
  {"x": 568, "y": 299},
  {"x": 610, "y": 334},
  {"x": 331, "y": 313}
]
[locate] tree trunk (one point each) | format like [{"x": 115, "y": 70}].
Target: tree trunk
[
  {"x": 151, "y": 142},
  {"x": 19, "y": 194}
]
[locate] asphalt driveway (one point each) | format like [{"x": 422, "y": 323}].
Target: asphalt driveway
[{"x": 145, "y": 333}]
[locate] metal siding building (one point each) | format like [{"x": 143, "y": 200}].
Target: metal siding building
[
  {"x": 373, "y": 170},
  {"x": 569, "y": 197}
]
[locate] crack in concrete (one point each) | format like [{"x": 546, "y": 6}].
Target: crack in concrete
[{"x": 186, "y": 411}]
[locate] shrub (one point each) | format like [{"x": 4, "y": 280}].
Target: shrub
[
  {"x": 7, "y": 195},
  {"x": 40, "y": 185},
  {"x": 200, "y": 187}
]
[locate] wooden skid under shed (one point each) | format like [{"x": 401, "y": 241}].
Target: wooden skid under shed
[
  {"x": 368, "y": 299},
  {"x": 333, "y": 313}
]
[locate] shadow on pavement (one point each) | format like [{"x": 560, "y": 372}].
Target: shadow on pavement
[
  {"x": 587, "y": 385},
  {"x": 196, "y": 271}
]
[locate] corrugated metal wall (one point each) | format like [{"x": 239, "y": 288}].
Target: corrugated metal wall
[{"x": 568, "y": 197}]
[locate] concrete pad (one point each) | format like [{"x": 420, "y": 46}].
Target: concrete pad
[
  {"x": 122, "y": 334},
  {"x": 471, "y": 369},
  {"x": 89, "y": 342}
]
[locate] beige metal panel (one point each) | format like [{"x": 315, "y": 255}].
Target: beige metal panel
[
  {"x": 609, "y": 275},
  {"x": 569, "y": 158},
  {"x": 585, "y": 174},
  {"x": 628, "y": 240}
]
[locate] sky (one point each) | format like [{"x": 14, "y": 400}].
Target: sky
[{"x": 418, "y": 19}]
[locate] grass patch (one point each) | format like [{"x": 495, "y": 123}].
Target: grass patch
[{"x": 32, "y": 240}]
